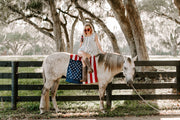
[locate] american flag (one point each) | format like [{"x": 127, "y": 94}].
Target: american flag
[{"x": 74, "y": 67}]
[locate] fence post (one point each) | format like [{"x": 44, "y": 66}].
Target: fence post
[
  {"x": 14, "y": 85},
  {"x": 109, "y": 96},
  {"x": 178, "y": 79}
]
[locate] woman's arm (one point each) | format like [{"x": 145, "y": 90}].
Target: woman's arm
[
  {"x": 98, "y": 44},
  {"x": 81, "y": 41},
  {"x": 80, "y": 44}
]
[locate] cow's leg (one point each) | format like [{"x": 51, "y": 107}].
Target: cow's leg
[
  {"x": 44, "y": 102},
  {"x": 53, "y": 94}
]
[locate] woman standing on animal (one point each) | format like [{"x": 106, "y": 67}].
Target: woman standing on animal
[{"x": 89, "y": 46}]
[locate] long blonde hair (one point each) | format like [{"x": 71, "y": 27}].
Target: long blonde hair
[{"x": 91, "y": 25}]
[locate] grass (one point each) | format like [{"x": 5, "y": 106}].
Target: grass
[
  {"x": 30, "y": 110},
  {"x": 136, "y": 108}
]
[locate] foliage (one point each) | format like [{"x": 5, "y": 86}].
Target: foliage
[
  {"x": 153, "y": 5},
  {"x": 171, "y": 42},
  {"x": 14, "y": 43},
  {"x": 159, "y": 6},
  {"x": 160, "y": 30},
  {"x": 4, "y": 13},
  {"x": 35, "y": 4}
]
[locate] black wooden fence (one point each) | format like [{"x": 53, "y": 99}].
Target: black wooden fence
[{"x": 14, "y": 87}]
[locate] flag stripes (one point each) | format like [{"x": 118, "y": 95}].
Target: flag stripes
[{"x": 91, "y": 77}]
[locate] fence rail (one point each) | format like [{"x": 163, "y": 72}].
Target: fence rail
[{"x": 15, "y": 76}]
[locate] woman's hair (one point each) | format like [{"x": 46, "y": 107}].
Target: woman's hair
[{"x": 91, "y": 26}]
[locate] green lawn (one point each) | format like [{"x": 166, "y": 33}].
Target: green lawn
[{"x": 30, "y": 110}]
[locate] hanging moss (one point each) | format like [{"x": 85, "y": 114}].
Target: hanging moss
[{"x": 35, "y": 4}]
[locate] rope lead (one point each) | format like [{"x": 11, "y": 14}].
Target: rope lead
[{"x": 144, "y": 99}]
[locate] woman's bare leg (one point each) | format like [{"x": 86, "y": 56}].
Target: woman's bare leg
[
  {"x": 84, "y": 55},
  {"x": 85, "y": 63},
  {"x": 85, "y": 60}
]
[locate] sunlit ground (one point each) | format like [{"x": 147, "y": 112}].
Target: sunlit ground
[
  {"x": 170, "y": 118},
  {"x": 170, "y": 109},
  {"x": 130, "y": 118}
]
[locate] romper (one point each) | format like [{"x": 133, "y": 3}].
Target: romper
[{"x": 89, "y": 45}]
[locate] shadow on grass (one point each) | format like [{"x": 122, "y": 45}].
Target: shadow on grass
[
  {"x": 31, "y": 111},
  {"x": 135, "y": 108}
]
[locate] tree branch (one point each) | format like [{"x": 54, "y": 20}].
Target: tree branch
[
  {"x": 73, "y": 16},
  {"x": 13, "y": 8},
  {"x": 69, "y": 7},
  {"x": 64, "y": 20},
  {"x": 47, "y": 29},
  {"x": 81, "y": 16},
  {"x": 102, "y": 24},
  {"x": 39, "y": 17},
  {"x": 72, "y": 35},
  {"x": 168, "y": 17},
  {"x": 20, "y": 18}
]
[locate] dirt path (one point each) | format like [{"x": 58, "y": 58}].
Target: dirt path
[{"x": 171, "y": 117}]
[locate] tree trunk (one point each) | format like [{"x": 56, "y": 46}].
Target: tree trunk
[
  {"x": 137, "y": 30},
  {"x": 173, "y": 42},
  {"x": 119, "y": 12},
  {"x": 110, "y": 35},
  {"x": 177, "y": 4},
  {"x": 72, "y": 35},
  {"x": 56, "y": 27},
  {"x": 67, "y": 37}
]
